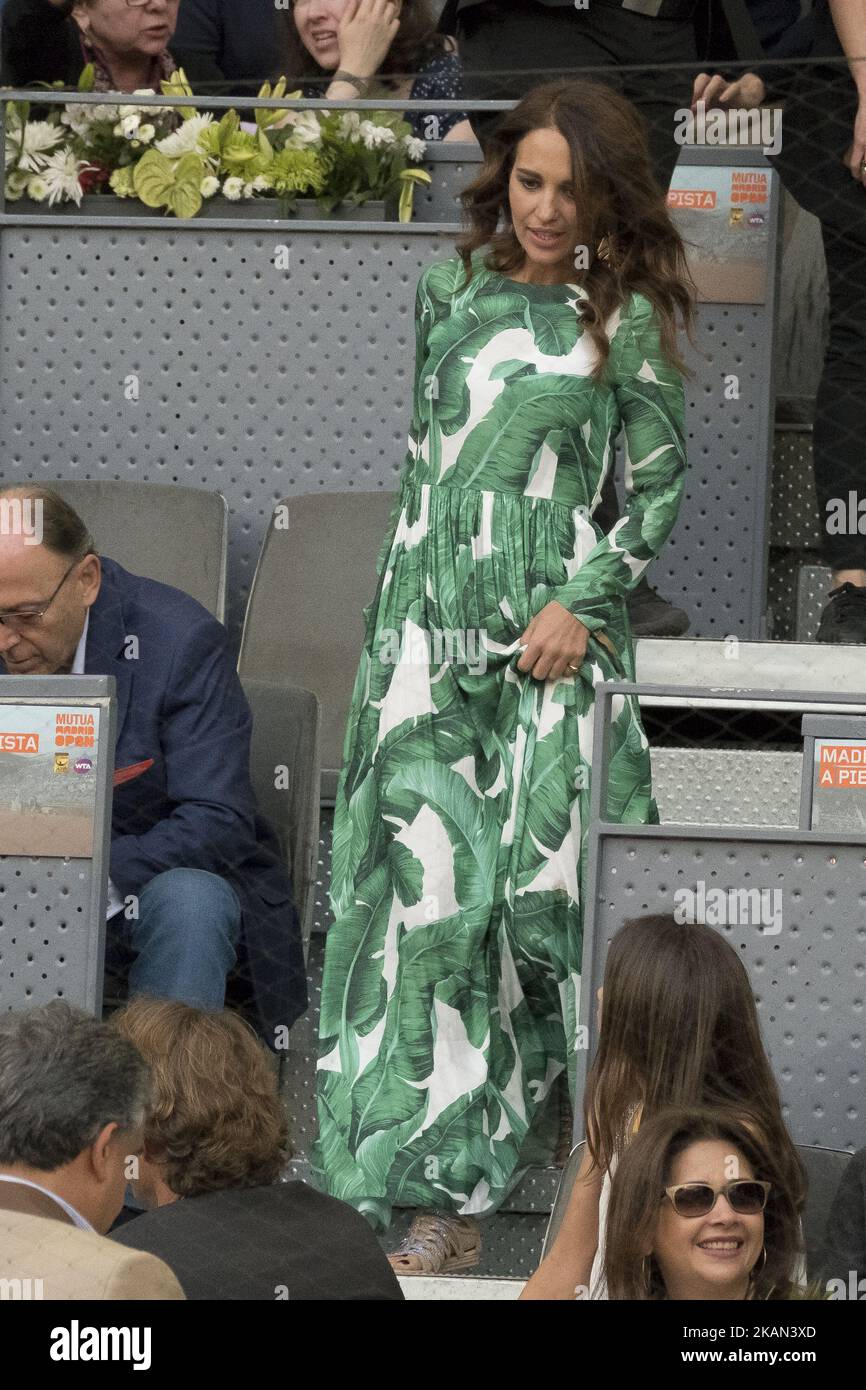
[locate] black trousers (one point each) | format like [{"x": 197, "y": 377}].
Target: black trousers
[
  {"x": 817, "y": 126},
  {"x": 509, "y": 46}
]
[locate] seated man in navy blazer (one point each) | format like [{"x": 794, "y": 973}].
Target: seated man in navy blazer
[{"x": 197, "y": 868}]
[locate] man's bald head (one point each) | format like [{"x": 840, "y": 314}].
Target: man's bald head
[{"x": 47, "y": 561}]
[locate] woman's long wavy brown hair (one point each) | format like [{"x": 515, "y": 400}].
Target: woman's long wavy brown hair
[
  {"x": 679, "y": 1026},
  {"x": 416, "y": 39},
  {"x": 623, "y": 219},
  {"x": 217, "y": 1120},
  {"x": 645, "y": 1170}
]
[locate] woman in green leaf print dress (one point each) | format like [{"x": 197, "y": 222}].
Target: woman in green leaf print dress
[{"x": 452, "y": 968}]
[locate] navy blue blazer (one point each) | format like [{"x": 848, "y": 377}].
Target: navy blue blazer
[{"x": 180, "y": 702}]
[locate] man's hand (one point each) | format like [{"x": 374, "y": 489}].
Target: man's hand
[
  {"x": 715, "y": 91},
  {"x": 554, "y": 640}
]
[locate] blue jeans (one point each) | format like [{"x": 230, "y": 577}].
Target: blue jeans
[{"x": 183, "y": 941}]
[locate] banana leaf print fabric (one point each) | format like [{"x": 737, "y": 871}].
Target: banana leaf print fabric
[{"x": 452, "y": 969}]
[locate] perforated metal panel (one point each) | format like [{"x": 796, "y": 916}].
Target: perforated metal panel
[
  {"x": 782, "y": 593},
  {"x": 46, "y": 943},
  {"x": 730, "y": 786},
  {"x": 809, "y": 979},
  {"x": 186, "y": 355},
  {"x": 796, "y": 521},
  {"x": 813, "y": 584}
]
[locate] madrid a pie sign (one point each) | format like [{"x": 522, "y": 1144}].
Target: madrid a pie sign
[{"x": 839, "y": 783}]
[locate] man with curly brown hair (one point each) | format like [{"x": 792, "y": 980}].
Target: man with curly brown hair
[{"x": 215, "y": 1144}]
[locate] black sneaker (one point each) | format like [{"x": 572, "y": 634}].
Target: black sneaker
[
  {"x": 651, "y": 615},
  {"x": 844, "y": 618}
]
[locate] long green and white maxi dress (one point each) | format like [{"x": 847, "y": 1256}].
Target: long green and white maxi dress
[{"x": 452, "y": 968}]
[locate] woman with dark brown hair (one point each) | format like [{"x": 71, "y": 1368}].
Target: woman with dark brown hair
[
  {"x": 449, "y": 1006},
  {"x": 388, "y": 48},
  {"x": 215, "y": 1145},
  {"x": 678, "y": 1026},
  {"x": 700, "y": 1208}
]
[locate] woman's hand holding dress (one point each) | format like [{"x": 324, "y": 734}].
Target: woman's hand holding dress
[{"x": 554, "y": 640}]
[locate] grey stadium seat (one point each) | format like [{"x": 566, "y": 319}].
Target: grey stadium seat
[
  {"x": 175, "y": 534},
  {"x": 303, "y": 622},
  {"x": 284, "y": 765}
]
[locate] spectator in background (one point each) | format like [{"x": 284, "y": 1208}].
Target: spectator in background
[
  {"x": 218, "y": 1138},
  {"x": 226, "y": 47},
  {"x": 822, "y": 163},
  {"x": 53, "y": 40},
  {"x": 376, "y": 48},
  {"x": 73, "y": 1101},
  {"x": 845, "y": 1241},
  {"x": 197, "y": 881},
  {"x": 678, "y": 1026},
  {"x": 509, "y": 46},
  {"x": 700, "y": 1208}
]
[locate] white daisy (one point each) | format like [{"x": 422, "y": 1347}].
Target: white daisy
[
  {"x": 375, "y": 135},
  {"x": 80, "y": 117},
  {"x": 60, "y": 172},
  {"x": 16, "y": 185},
  {"x": 233, "y": 189},
  {"x": 349, "y": 127},
  {"x": 39, "y": 138},
  {"x": 305, "y": 130},
  {"x": 37, "y": 188},
  {"x": 256, "y": 185},
  {"x": 414, "y": 148},
  {"x": 185, "y": 139},
  {"x": 143, "y": 110},
  {"x": 209, "y": 186},
  {"x": 127, "y": 126}
]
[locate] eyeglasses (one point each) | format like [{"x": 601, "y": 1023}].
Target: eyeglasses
[
  {"x": 745, "y": 1196},
  {"x": 20, "y": 618}
]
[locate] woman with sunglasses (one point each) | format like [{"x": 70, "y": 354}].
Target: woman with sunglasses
[
  {"x": 53, "y": 40},
  {"x": 700, "y": 1208},
  {"x": 677, "y": 1026}
]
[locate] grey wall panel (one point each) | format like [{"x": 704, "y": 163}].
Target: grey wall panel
[
  {"x": 809, "y": 979},
  {"x": 186, "y": 356}
]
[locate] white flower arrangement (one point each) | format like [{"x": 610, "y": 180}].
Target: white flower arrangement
[{"x": 180, "y": 157}]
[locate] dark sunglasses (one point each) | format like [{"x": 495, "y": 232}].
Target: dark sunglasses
[{"x": 745, "y": 1196}]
